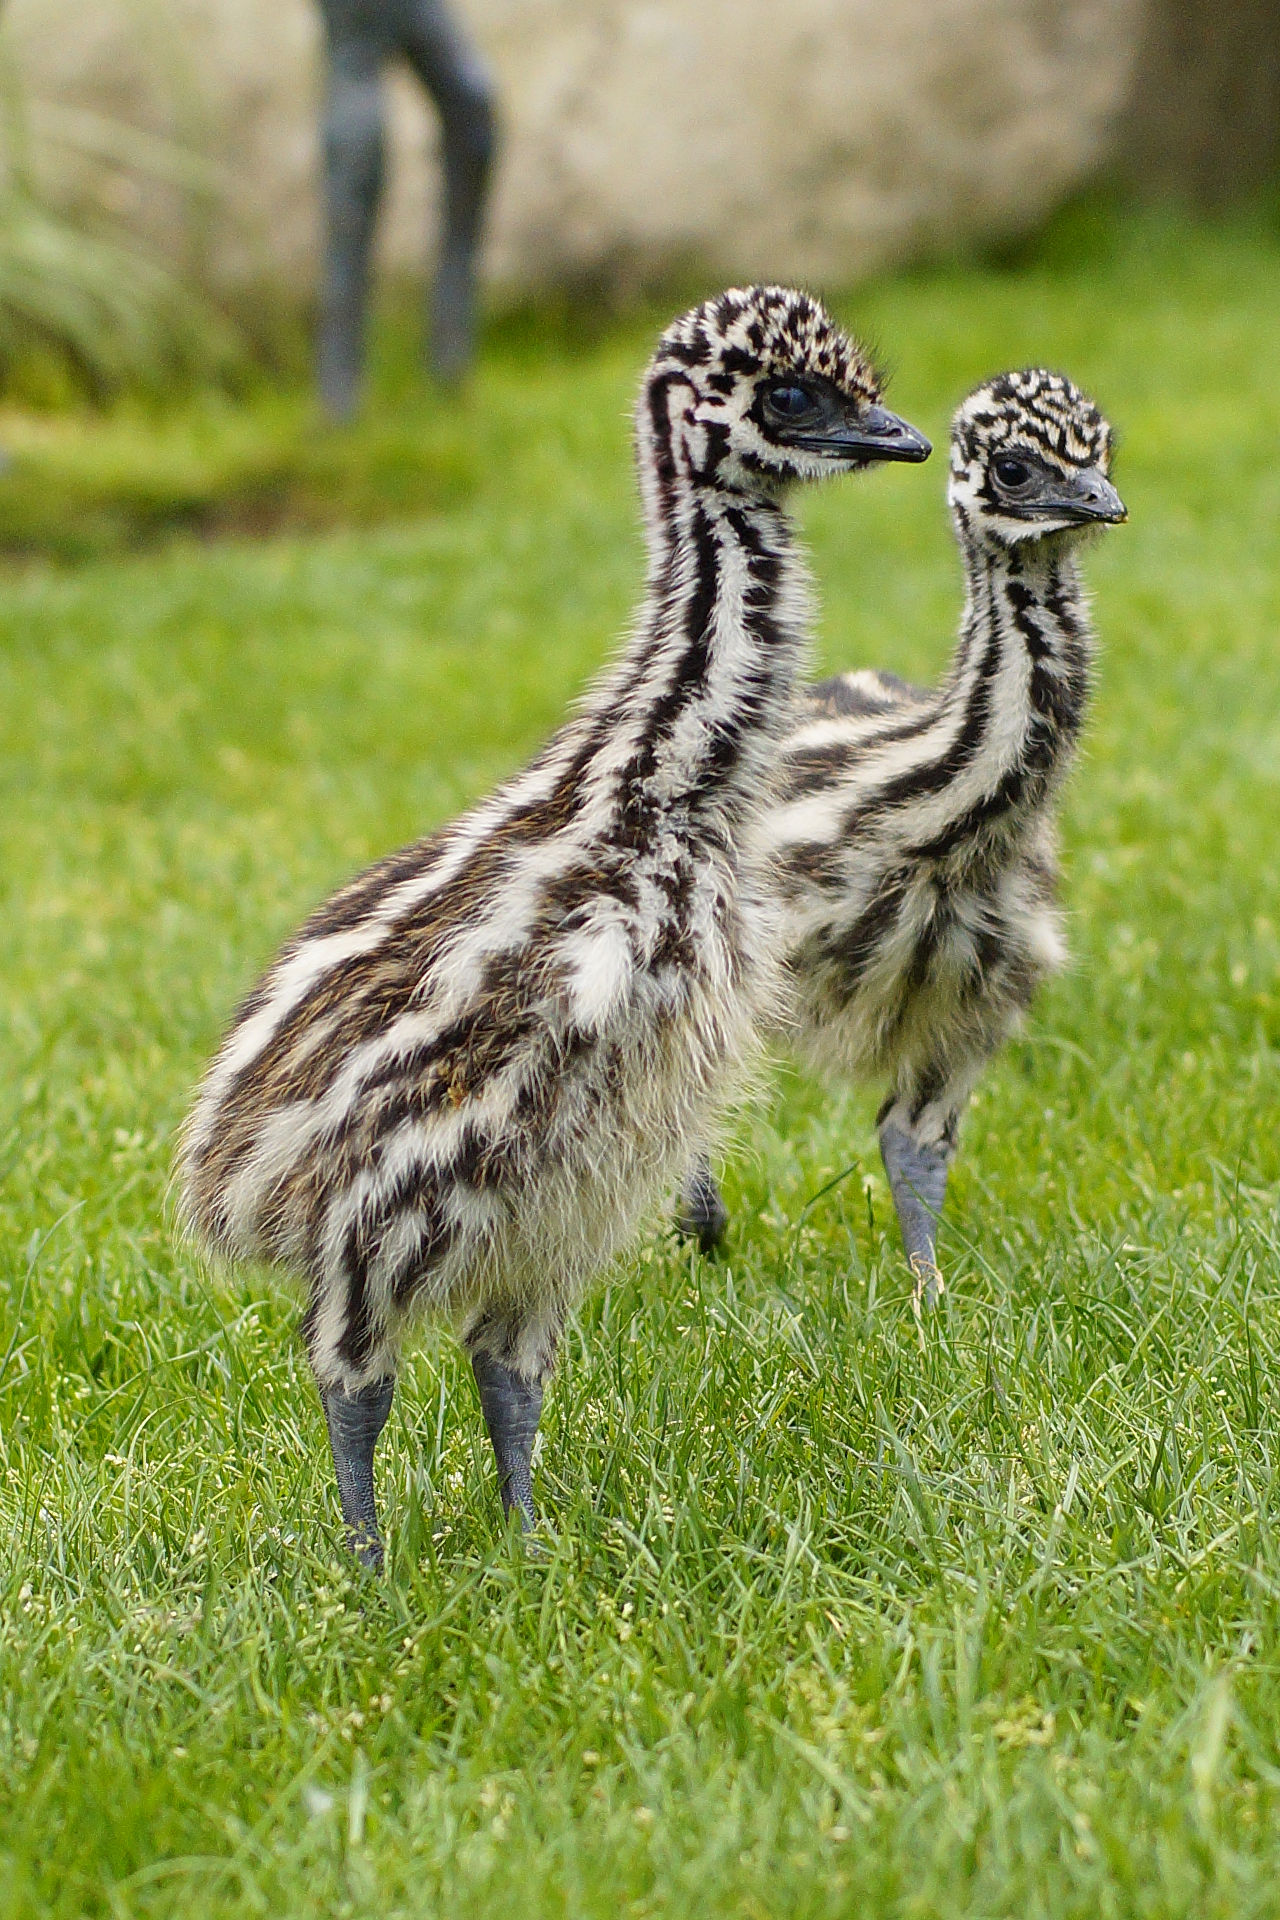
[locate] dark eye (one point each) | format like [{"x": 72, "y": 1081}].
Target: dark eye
[
  {"x": 789, "y": 401},
  {"x": 1012, "y": 473}
]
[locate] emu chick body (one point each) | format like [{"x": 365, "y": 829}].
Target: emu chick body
[
  {"x": 911, "y": 841},
  {"x": 464, "y": 1081}
]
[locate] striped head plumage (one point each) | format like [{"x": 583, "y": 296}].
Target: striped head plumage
[
  {"x": 1030, "y": 456},
  {"x": 760, "y": 388}
]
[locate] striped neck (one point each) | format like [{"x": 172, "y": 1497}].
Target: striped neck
[
  {"x": 687, "y": 719},
  {"x": 1009, "y": 712},
  {"x": 1019, "y": 680},
  {"x": 960, "y": 773}
]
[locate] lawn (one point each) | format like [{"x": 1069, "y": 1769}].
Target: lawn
[{"x": 843, "y": 1615}]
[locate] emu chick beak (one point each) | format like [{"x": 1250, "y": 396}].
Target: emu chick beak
[
  {"x": 872, "y": 434},
  {"x": 1089, "y": 495},
  {"x": 877, "y": 434}
]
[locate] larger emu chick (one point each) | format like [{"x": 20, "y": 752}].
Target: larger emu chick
[
  {"x": 465, "y": 1080},
  {"x": 911, "y": 843}
]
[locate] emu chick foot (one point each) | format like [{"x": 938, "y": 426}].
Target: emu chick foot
[
  {"x": 512, "y": 1407},
  {"x": 355, "y": 1421},
  {"x": 702, "y": 1215},
  {"x": 918, "y": 1181}
]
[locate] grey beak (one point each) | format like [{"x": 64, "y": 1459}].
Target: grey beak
[
  {"x": 873, "y": 434},
  {"x": 1088, "y": 495}
]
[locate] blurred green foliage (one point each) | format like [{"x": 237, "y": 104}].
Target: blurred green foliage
[
  {"x": 74, "y": 488},
  {"x": 86, "y": 310}
]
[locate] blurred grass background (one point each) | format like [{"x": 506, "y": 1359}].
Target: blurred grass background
[{"x": 842, "y": 1617}]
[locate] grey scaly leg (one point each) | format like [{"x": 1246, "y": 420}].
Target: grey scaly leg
[
  {"x": 452, "y": 72},
  {"x": 354, "y": 165},
  {"x": 512, "y": 1406},
  {"x": 702, "y": 1214},
  {"x": 918, "y": 1181},
  {"x": 355, "y": 1420}
]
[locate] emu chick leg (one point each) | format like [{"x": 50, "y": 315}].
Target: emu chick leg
[
  {"x": 918, "y": 1181},
  {"x": 702, "y": 1214},
  {"x": 355, "y": 1421},
  {"x": 512, "y": 1406}
]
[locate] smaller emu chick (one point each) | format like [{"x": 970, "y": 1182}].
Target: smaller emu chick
[
  {"x": 465, "y": 1079},
  {"x": 911, "y": 840}
]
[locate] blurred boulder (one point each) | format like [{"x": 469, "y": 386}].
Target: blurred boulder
[{"x": 818, "y": 139}]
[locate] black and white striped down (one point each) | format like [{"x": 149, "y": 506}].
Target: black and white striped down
[
  {"x": 912, "y": 842},
  {"x": 470, "y": 1073}
]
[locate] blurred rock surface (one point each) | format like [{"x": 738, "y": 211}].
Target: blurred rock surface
[{"x": 814, "y": 139}]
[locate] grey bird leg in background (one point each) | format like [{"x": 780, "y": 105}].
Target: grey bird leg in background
[
  {"x": 702, "y": 1214},
  {"x": 363, "y": 35},
  {"x": 918, "y": 1182},
  {"x": 452, "y": 73},
  {"x": 354, "y": 170},
  {"x": 355, "y": 1420},
  {"x": 512, "y": 1407}
]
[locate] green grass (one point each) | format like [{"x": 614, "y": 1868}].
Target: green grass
[
  {"x": 843, "y": 1617},
  {"x": 76, "y": 489}
]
